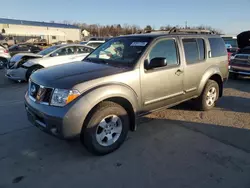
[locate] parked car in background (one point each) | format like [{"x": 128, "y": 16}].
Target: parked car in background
[
  {"x": 95, "y": 44},
  {"x": 7, "y": 41},
  {"x": 99, "y": 38},
  {"x": 83, "y": 42},
  {"x": 230, "y": 40},
  {"x": 40, "y": 42},
  {"x": 240, "y": 62},
  {"x": 228, "y": 45},
  {"x": 22, "y": 65},
  {"x": 4, "y": 56},
  {"x": 102, "y": 97},
  {"x": 24, "y": 48},
  {"x": 59, "y": 42}
]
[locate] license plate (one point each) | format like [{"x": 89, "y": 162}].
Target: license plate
[{"x": 34, "y": 121}]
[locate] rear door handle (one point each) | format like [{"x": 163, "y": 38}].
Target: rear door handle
[{"x": 178, "y": 72}]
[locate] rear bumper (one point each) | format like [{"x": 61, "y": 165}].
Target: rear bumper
[{"x": 16, "y": 74}]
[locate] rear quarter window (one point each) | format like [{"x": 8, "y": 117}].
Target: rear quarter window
[{"x": 217, "y": 46}]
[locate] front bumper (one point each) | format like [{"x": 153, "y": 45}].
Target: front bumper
[
  {"x": 240, "y": 72},
  {"x": 16, "y": 74},
  {"x": 61, "y": 122}
]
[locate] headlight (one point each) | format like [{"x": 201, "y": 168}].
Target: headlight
[
  {"x": 232, "y": 57},
  {"x": 61, "y": 97}
]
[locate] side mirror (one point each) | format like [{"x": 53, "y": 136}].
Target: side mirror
[
  {"x": 156, "y": 63},
  {"x": 54, "y": 54}
]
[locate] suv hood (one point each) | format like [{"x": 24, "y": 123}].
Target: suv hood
[{"x": 68, "y": 75}]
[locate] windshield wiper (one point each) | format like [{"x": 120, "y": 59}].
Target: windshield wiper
[{"x": 87, "y": 59}]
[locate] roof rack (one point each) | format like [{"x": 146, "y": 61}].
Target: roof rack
[{"x": 175, "y": 30}]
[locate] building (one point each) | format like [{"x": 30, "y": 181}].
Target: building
[
  {"x": 24, "y": 30},
  {"x": 85, "y": 33}
]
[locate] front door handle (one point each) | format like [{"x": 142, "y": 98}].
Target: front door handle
[{"x": 178, "y": 72}]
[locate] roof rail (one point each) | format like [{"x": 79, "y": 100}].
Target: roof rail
[{"x": 175, "y": 30}]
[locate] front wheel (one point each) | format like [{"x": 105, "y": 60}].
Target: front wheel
[
  {"x": 209, "y": 96},
  {"x": 3, "y": 63},
  {"x": 30, "y": 71},
  {"x": 106, "y": 129}
]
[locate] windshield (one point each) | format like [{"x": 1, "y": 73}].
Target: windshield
[
  {"x": 123, "y": 51},
  {"x": 48, "y": 50},
  {"x": 230, "y": 41},
  {"x": 12, "y": 47}
]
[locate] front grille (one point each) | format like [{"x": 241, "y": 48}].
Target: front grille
[
  {"x": 241, "y": 62},
  {"x": 242, "y": 57},
  {"x": 40, "y": 93}
]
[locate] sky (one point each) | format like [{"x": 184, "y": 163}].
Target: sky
[{"x": 230, "y": 16}]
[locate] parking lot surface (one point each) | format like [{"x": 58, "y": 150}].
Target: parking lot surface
[{"x": 178, "y": 147}]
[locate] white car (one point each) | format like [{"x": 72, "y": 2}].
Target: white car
[
  {"x": 95, "y": 44},
  {"x": 22, "y": 65},
  {"x": 4, "y": 57}
]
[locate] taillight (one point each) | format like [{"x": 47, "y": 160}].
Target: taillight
[
  {"x": 6, "y": 51},
  {"x": 229, "y": 57}
]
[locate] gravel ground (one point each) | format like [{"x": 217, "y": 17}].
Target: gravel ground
[{"x": 177, "y": 147}]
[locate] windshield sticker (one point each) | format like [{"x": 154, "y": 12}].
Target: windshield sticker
[{"x": 139, "y": 44}]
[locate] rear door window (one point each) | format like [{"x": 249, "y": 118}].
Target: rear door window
[
  {"x": 82, "y": 49},
  {"x": 66, "y": 51},
  {"x": 194, "y": 50},
  {"x": 218, "y": 47}
]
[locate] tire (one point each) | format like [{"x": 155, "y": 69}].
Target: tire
[
  {"x": 92, "y": 132},
  {"x": 202, "y": 101},
  {"x": 3, "y": 62},
  {"x": 233, "y": 76},
  {"x": 31, "y": 70}
]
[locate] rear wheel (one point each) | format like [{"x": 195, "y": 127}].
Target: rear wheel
[
  {"x": 209, "y": 96},
  {"x": 106, "y": 129}
]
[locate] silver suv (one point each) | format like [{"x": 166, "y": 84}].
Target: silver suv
[{"x": 101, "y": 97}]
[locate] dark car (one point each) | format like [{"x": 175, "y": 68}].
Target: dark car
[
  {"x": 240, "y": 62},
  {"x": 23, "y": 48}
]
